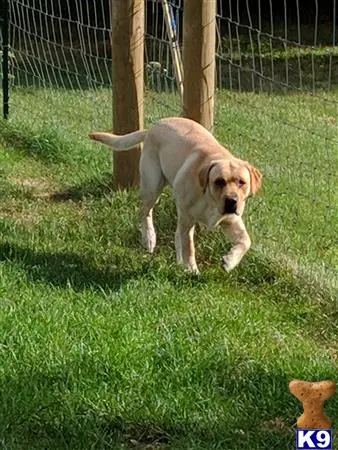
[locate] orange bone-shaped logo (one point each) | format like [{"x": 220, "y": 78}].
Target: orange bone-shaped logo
[{"x": 313, "y": 396}]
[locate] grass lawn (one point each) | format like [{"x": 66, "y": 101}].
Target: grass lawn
[{"x": 104, "y": 346}]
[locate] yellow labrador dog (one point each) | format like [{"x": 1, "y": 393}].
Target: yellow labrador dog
[{"x": 210, "y": 185}]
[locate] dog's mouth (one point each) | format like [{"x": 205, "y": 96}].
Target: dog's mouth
[{"x": 229, "y": 213}]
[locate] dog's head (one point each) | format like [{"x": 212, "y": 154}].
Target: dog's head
[{"x": 229, "y": 182}]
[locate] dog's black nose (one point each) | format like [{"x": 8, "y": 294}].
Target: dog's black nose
[{"x": 230, "y": 204}]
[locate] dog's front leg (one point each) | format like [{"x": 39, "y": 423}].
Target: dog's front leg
[
  {"x": 239, "y": 237},
  {"x": 184, "y": 242}
]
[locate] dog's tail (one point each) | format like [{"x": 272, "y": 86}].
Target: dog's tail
[{"x": 119, "y": 143}]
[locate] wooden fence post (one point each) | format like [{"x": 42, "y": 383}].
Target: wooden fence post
[
  {"x": 128, "y": 83},
  {"x": 199, "y": 40}
]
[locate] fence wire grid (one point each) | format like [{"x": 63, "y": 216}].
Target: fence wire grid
[{"x": 276, "y": 72}]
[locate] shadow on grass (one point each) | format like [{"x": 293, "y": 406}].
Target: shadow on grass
[
  {"x": 93, "y": 188},
  {"x": 257, "y": 272},
  {"x": 251, "y": 407},
  {"x": 261, "y": 421},
  {"x": 243, "y": 66},
  {"x": 66, "y": 269},
  {"x": 69, "y": 269},
  {"x": 262, "y": 411}
]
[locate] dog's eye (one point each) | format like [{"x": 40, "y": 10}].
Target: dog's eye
[
  {"x": 220, "y": 182},
  {"x": 240, "y": 183}
]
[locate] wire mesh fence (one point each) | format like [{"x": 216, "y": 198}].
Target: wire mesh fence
[
  {"x": 67, "y": 45},
  {"x": 57, "y": 46},
  {"x": 276, "y": 100}
]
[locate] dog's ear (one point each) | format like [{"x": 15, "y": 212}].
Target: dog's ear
[
  {"x": 255, "y": 179},
  {"x": 203, "y": 174}
]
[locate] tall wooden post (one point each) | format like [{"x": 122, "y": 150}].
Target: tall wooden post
[
  {"x": 199, "y": 40},
  {"x": 128, "y": 83}
]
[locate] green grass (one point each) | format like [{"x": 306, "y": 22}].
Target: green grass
[{"x": 104, "y": 346}]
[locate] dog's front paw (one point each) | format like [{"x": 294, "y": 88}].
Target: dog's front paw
[
  {"x": 227, "y": 263},
  {"x": 193, "y": 269}
]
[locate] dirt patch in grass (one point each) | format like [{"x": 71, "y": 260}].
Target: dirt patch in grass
[
  {"x": 36, "y": 187},
  {"x": 20, "y": 215},
  {"x": 141, "y": 446},
  {"x": 278, "y": 424}
]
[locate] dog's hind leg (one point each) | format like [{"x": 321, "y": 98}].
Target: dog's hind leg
[{"x": 152, "y": 184}]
